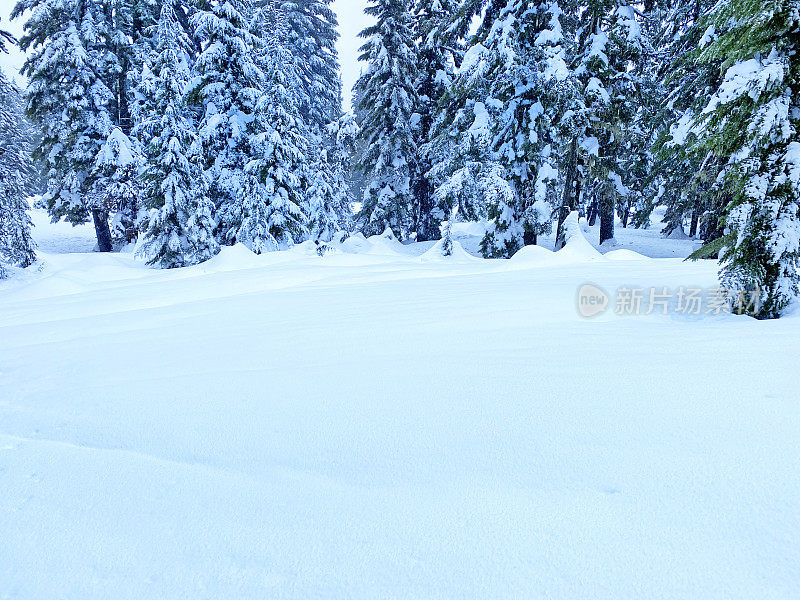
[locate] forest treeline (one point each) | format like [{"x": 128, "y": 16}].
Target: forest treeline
[{"x": 193, "y": 124}]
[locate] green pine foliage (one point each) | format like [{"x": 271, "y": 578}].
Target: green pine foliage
[
  {"x": 751, "y": 125},
  {"x": 178, "y": 230},
  {"x": 17, "y": 174},
  {"x": 388, "y": 106}
]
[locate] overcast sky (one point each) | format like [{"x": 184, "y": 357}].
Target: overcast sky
[
  {"x": 11, "y": 62},
  {"x": 351, "y": 20}
]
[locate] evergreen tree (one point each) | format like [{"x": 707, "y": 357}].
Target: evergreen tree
[
  {"x": 436, "y": 64},
  {"x": 311, "y": 39},
  {"x": 117, "y": 165},
  {"x": 68, "y": 97},
  {"x": 16, "y": 173},
  {"x": 469, "y": 178},
  {"x": 532, "y": 80},
  {"x": 225, "y": 89},
  {"x": 272, "y": 197},
  {"x": 344, "y": 156},
  {"x": 610, "y": 42},
  {"x": 327, "y": 198},
  {"x": 681, "y": 176},
  {"x": 388, "y": 104},
  {"x": 752, "y": 123},
  {"x": 178, "y": 230},
  {"x": 499, "y": 129},
  {"x": 80, "y": 58}
]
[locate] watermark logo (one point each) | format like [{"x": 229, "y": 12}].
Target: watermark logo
[
  {"x": 636, "y": 301},
  {"x": 592, "y": 301}
]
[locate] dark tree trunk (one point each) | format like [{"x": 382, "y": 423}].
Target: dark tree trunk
[
  {"x": 101, "y": 229},
  {"x": 529, "y": 238},
  {"x": 592, "y": 214},
  {"x": 425, "y": 226},
  {"x": 626, "y": 214},
  {"x": 695, "y": 219},
  {"x": 571, "y": 191},
  {"x": 607, "y": 213}
]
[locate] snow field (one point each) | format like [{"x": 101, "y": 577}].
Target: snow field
[{"x": 389, "y": 424}]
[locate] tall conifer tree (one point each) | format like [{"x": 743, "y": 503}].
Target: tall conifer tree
[{"x": 387, "y": 107}]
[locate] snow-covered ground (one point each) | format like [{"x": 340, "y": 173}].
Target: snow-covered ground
[{"x": 381, "y": 423}]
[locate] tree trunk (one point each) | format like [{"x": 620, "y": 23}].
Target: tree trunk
[
  {"x": 571, "y": 185},
  {"x": 425, "y": 227},
  {"x": 626, "y": 214},
  {"x": 592, "y": 214},
  {"x": 529, "y": 238},
  {"x": 607, "y": 212},
  {"x": 695, "y": 219},
  {"x": 101, "y": 229}
]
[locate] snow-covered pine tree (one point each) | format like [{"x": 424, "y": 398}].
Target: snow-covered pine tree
[
  {"x": 344, "y": 157},
  {"x": 469, "y": 179},
  {"x": 271, "y": 199},
  {"x": 69, "y": 99},
  {"x": 80, "y": 56},
  {"x": 328, "y": 195},
  {"x": 326, "y": 198},
  {"x": 178, "y": 230},
  {"x": 496, "y": 137},
  {"x": 388, "y": 108},
  {"x": 16, "y": 173},
  {"x": 753, "y": 121},
  {"x": 532, "y": 80},
  {"x": 225, "y": 89},
  {"x": 681, "y": 175},
  {"x": 610, "y": 43},
  {"x": 437, "y": 63},
  {"x": 118, "y": 162},
  {"x": 311, "y": 39},
  {"x": 447, "y": 234},
  {"x": 117, "y": 166}
]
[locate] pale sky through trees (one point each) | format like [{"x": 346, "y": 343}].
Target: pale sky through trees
[
  {"x": 11, "y": 62},
  {"x": 351, "y": 21}
]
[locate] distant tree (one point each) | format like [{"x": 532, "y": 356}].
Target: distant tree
[
  {"x": 178, "y": 229},
  {"x": 16, "y": 175},
  {"x": 387, "y": 111},
  {"x": 310, "y": 38},
  {"x": 438, "y": 52},
  {"x": 272, "y": 199},
  {"x": 226, "y": 86}
]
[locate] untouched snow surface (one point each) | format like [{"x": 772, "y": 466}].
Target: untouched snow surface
[{"x": 385, "y": 425}]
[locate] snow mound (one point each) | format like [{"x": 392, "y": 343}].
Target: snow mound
[
  {"x": 533, "y": 254},
  {"x": 232, "y": 258},
  {"x": 385, "y": 244},
  {"x": 624, "y": 255},
  {"x": 376, "y": 245},
  {"x": 355, "y": 244},
  {"x": 435, "y": 253},
  {"x": 309, "y": 248},
  {"x": 577, "y": 248},
  {"x": 678, "y": 234}
]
